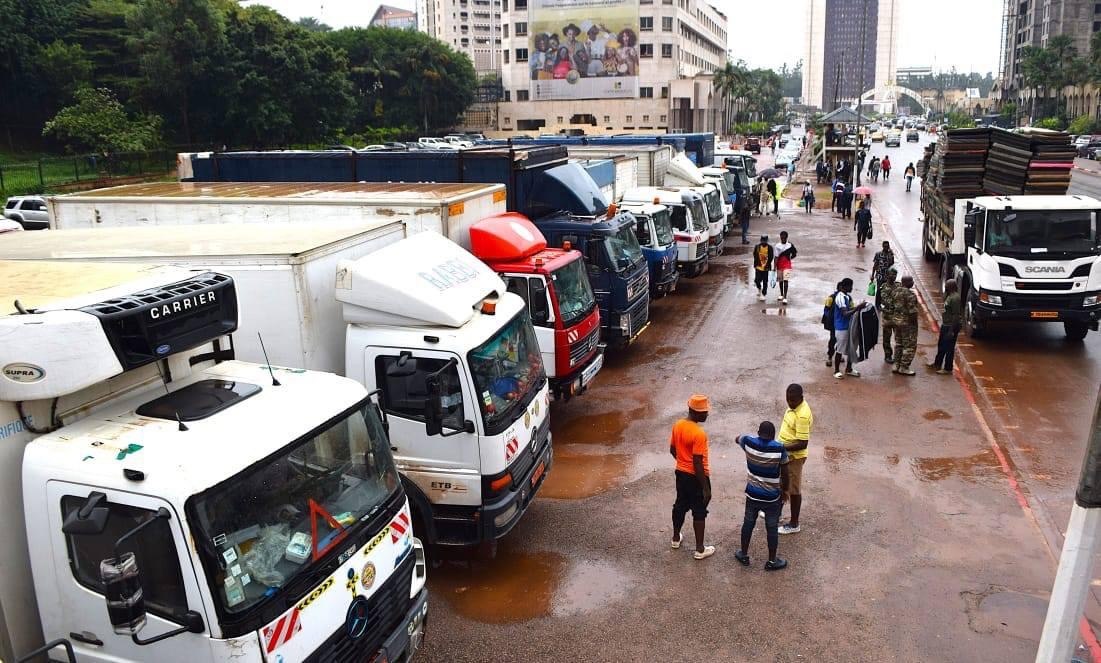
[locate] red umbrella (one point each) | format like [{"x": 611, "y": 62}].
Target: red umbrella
[{"x": 862, "y": 191}]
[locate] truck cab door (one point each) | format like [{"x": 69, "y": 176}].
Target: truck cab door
[
  {"x": 447, "y": 468},
  {"x": 535, "y": 293},
  {"x": 74, "y": 606}
]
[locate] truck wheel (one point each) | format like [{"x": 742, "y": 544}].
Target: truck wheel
[
  {"x": 1076, "y": 331},
  {"x": 945, "y": 274},
  {"x": 974, "y": 327}
]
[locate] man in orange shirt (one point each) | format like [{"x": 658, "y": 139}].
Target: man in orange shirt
[{"x": 693, "y": 474}]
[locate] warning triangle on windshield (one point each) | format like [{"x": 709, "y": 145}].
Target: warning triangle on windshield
[{"x": 338, "y": 534}]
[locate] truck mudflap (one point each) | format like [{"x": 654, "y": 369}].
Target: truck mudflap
[{"x": 499, "y": 517}]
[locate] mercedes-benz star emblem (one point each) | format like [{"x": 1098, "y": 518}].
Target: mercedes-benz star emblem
[{"x": 356, "y": 621}]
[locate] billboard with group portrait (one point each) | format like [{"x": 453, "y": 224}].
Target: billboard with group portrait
[{"x": 583, "y": 49}]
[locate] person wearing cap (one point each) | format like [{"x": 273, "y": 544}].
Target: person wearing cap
[
  {"x": 688, "y": 445},
  {"x": 763, "y": 255}
]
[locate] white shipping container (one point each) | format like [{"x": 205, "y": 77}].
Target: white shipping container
[{"x": 650, "y": 168}]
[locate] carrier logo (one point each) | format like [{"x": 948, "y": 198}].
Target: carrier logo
[
  {"x": 1045, "y": 269},
  {"x": 25, "y": 373},
  {"x": 162, "y": 311}
]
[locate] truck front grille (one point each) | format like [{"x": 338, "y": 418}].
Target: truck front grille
[
  {"x": 581, "y": 349},
  {"x": 640, "y": 314},
  {"x": 1042, "y": 302}
]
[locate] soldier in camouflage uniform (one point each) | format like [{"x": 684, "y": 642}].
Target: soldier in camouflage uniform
[
  {"x": 905, "y": 309},
  {"x": 886, "y": 293}
]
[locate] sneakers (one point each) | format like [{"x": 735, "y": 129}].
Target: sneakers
[
  {"x": 894, "y": 369},
  {"x": 783, "y": 300},
  {"x": 932, "y": 366},
  {"x": 742, "y": 557},
  {"x": 775, "y": 564},
  {"x": 906, "y": 371},
  {"x": 943, "y": 371},
  {"x": 839, "y": 375},
  {"x": 829, "y": 362},
  {"x": 760, "y": 297},
  {"x": 853, "y": 372},
  {"x": 707, "y": 552},
  {"x": 675, "y": 544},
  {"x": 787, "y": 528}
]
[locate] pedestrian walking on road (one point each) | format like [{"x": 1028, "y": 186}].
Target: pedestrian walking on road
[
  {"x": 766, "y": 461},
  {"x": 688, "y": 445},
  {"x": 883, "y": 259},
  {"x": 886, "y": 295},
  {"x": 838, "y": 189},
  {"x": 795, "y": 436},
  {"x": 820, "y": 170},
  {"x": 909, "y": 173},
  {"x": 847, "y": 201},
  {"x": 873, "y": 169},
  {"x": 784, "y": 253},
  {"x": 827, "y": 324},
  {"x": 808, "y": 196},
  {"x": 743, "y": 220},
  {"x": 774, "y": 193},
  {"x": 886, "y": 168},
  {"x": 862, "y": 224},
  {"x": 949, "y": 329},
  {"x": 763, "y": 256},
  {"x": 906, "y": 315},
  {"x": 791, "y": 169},
  {"x": 843, "y": 310}
]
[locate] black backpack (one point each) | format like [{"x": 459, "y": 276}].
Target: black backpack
[{"x": 827, "y": 311}]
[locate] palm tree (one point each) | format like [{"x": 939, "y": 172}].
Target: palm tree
[
  {"x": 313, "y": 25},
  {"x": 1039, "y": 68}
]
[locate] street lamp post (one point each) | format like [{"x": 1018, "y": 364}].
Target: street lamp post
[{"x": 859, "y": 96}]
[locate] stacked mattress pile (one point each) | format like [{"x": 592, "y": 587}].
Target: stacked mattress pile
[
  {"x": 1007, "y": 163},
  {"x": 1052, "y": 160},
  {"x": 956, "y": 169}
]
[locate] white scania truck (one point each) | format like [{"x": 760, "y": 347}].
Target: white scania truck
[
  {"x": 1025, "y": 258},
  {"x": 451, "y": 351},
  {"x": 161, "y": 501}
]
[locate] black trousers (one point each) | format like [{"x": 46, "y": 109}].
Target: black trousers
[
  {"x": 772, "y": 523},
  {"x": 832, "y": 344},
  {"x": 760, "y": 279},
  {"x": 946, "y": 347},
  {"x": 689, "y": 498}
]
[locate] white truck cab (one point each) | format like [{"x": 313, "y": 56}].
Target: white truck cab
[
  {"x": 689, "y": 219},
  {"x": 1028, "y": 258},
  {"x": 685, "y": 174},
  {"x": 455, "y": 356},
  {"x": 162, "y": 501}
]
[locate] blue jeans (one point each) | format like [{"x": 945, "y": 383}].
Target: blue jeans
[{"x": 772, "y": 523}]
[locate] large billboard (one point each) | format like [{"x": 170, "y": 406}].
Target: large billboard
[{"x": 583, "y": 49}]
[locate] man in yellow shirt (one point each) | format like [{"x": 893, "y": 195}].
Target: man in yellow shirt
[
  {"x": 688, "y": 444},
  {"x": 795, "y": 434}
]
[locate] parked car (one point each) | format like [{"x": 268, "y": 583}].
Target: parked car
[
  {"x": 458, "y": 140},
  {"x": 912, "y": 136},
  {"x": 753, "y": 145},
  {"x": 878, "y": 136},
  {"x": 894, "y": 139},
  {"x": 1087, "y": 148},
  {"x": 29, "y": 211}
]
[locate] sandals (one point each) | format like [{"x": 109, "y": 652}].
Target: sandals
[
  {"x": 742, "y": 557},
  {"x": 776, "y": 565}
]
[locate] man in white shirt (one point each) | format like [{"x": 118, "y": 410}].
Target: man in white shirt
[{"x": 784, "y": 252}]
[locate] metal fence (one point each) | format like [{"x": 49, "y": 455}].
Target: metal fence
[{"x": 53, "y": 173}]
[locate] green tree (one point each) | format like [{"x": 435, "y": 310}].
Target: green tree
[
  {"x": 65, "y": 66},
  {"x": 98, "y": 122},
  {"x": 1083, "y": 124},
  {"x": 312, "y": 24},
  {"x": 181, "y": 46},
  {"x": 1039, "y": 68},
  {"x": 102, "y": 33}
]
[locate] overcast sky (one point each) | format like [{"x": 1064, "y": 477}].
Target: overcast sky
[{"x": 969, "y": 41}]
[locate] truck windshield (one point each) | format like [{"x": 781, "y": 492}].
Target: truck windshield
[
  {"x": 699, "y": 215},
  {"x": 714, "y": 204},
  {"x": 750, "y": 167},
  {"x": 1057, "y": 231},
  {"x": 623, "y": 248},
  {"x": 507, "y": 371},
  {"x": 663, "y": 227},
  {"x": 728, "y": 182},
  {"x": 575, "y": 295},
  {"x": 257, "y": 528}
]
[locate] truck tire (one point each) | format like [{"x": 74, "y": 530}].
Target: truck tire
[
  {"x": 1075, "y": 331},
  {"x": 946, "y": 273},
  {"x": 974, "y": 327}
]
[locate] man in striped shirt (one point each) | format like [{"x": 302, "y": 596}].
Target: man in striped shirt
[{"x": 766, "y": 461}]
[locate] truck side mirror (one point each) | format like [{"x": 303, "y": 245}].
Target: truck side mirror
[
  {"x": 540, "y": 309},
  {"x": 433, "y": 405},
  {"x": 90, "y": 518},
  {"x": 404, "y": 367}
]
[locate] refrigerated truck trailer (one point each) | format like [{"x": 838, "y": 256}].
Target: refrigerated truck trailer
[
  {"x": 162, "y": 501},
  {"x": 398, "y": 315}
]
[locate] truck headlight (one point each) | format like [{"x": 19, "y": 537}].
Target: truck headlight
[
  {"x": 1091, "y": 300},
  {"x": 624, "y": 321},
  {"x": 993, "y": 300}
]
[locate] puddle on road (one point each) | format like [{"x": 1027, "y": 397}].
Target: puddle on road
[
  {"x": 588, "y": 587},
  {"x": 1015, "y": 614},
  {"x": 666, "y": 351},
  {"x": 741, "y": 270},
  {"x": 978, "y": 466},
  {"x": 936, "y": 415},
  {"x": 577, "y": 475},
  {"x": 514, "y": 587},
  {"x": 604, "y": 428},
  {"x": 779, "y": 311}
]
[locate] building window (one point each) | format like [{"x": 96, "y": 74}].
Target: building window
[
  {"x": 666, "y": 50},
  {"x": 645, "y": 118},
  {"x": 505, "y": 30},
  {"x": 505, "y": 53},
  {"x": 607, "y": 119},
  {"x": 630, "y": 119},
  {"x": 521, "y": 95},
  {"x": 508, "y": 120},
  {"x": 1096, "y": 26},
  {"x": 520, "y": 4},
  {"x": 646, "y": 23},
  {"x": 664, "y": 91},
  {"x": 660, "y": 120},
  {"x": 521, "y": 55},
  {"x": 646, "y": 50},
  {"x": 667, "y": 23},
  {"x": 508, "y": 95},
  {"x": 646, "y": 92},
  {"x": 521, "y": 29},
  {"x": 559, "y": 119}
]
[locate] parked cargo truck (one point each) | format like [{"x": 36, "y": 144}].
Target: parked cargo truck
[
  {"x": 688, "y": 217},
  {"x": 165, "y": 502},
  {"x": 451, "y": 351},
  {"x": 1024, "y": 258}
]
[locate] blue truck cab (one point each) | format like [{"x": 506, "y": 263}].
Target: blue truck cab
[
  {"x": 654, "y": 229},
  {"x": 571, "y": 212}
]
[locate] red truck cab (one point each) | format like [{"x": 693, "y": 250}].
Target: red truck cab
[{"x": 556, "y": 288}]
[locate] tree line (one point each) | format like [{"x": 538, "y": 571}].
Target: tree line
[
  {"x": 111, "y": 75},
  {"x": 1050, "y": 69},
  {"x": 757, "y": 94}
]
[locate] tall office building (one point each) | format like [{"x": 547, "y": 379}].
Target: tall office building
[
  {"x": 835, "y": 30},
  {"x": 1034, "y": 23},
  {"x": 472, "y": 27},
  {"x": 611, "y": 65}
]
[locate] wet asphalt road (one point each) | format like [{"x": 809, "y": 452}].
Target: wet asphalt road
[{"x": 915, "y": 547}]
